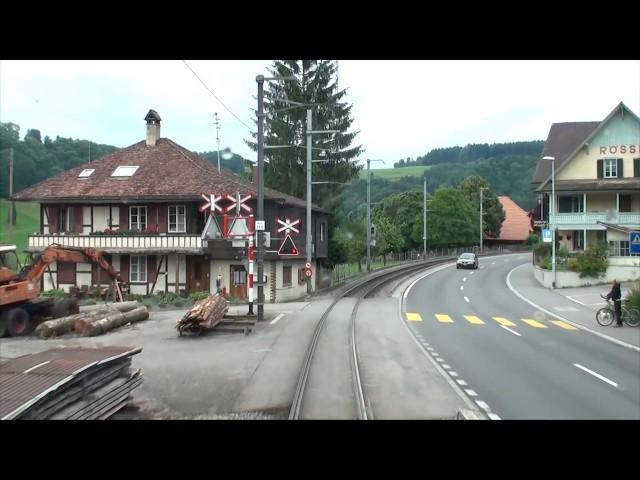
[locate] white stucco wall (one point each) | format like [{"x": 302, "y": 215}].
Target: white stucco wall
[{"x": 622, "y": 273}]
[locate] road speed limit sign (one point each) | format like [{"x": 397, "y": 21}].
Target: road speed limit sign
[
  {"x": 308, "y": 273},
  {"x": 307, "y": 265}
]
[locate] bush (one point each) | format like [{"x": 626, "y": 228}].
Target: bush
[
  {"x": 134, "y": 296},
  {"x": 545, "y": 263},
  {"x": 198, "y": 296},
  {"x": 591, "y": 263},
  {"x": 54, "y": 293},
  {"x": 532, "y": 239},
  {"x": 632, "y": 300},
  {"x": 542, "y": 249}
]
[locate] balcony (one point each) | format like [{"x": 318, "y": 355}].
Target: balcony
[
  {"x": 178, "y": 243},
  {"x": 590, "y": 219}
]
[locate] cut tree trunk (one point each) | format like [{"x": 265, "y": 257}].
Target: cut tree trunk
[
  {"x": 205, "y": 314},
  {"x": 63, "y": 325},
  {"x": 119, "y": 306},
  {"x": 103, "y": 324}
]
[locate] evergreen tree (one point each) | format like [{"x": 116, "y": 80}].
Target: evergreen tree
[{"x": 285, "y": 124}]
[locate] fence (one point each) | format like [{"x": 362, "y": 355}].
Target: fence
[{"x": 344, "y": 271}]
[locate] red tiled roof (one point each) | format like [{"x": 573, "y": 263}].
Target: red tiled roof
[
  {"x": 517, "y": 224},
  {"x": 166, "y": 171}
]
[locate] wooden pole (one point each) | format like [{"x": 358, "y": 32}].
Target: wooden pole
[
  {"x": 177, "y": 274},
  {"x": 162, "y": 258}
]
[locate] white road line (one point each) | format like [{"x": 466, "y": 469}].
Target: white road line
[
  {"x": 36, "y": 366},
  {"x": 431, "y": 272},
  {"x": 512, "y": 331},
  {"x": 483, "y": 405},
  {"x": 453, "y": 374},
  {"x": 430, "y": 349},
  {"x": 440, "y": 359},
  {"x": 464, "y": 279},
  {"x": 566, "y": 309},
  {"x": 466, "y": 299},
  {"x": 436, "y": 355},
  {"x": 493, "y": 416},
  {"x": 471, "y": 273},
  {"x": 461, "y": 382},
  {"x": 597, "y": 375},
  {"x": 493, "y": 263},
  {"x": 446, "y": 366},
  {"x": 461, "y": 287},
  {"x": 470, "y": 392},
  {"x": 275, "y": 320},
  {"x": 555, "y": 315}
]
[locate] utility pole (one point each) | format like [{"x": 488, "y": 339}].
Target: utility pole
[
  {"x": 260, "y": 81},
  {"x": 11, "y": 204},
  {"x": 368, "y": 215},
  {"x": 217, "y": 124},
  {"x": 424, "y": 221},
  {"x": 309, "y": 223}
]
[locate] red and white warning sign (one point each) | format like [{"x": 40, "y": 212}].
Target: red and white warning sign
[
  {"x": 307, "y": 266},
  {"x": 287, "y": 226},
  {"x": 308, "y": 273},
  {"x": 288, "y": 247},
  {"x": 234, "y": 203},
  {"x": 211, "y": 201}
]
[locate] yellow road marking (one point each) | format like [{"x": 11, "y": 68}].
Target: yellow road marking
[
  {"x": 564, "y": 325},
  {"x": 504, "y": 321},
  {"x": 414, "y": 317},
  {"x": 534, "y": 323},
  {"x": 443, "y": 318},
  {"x": 473, "y": 319}
]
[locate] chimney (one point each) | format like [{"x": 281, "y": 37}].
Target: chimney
[{"x": 153, "y": 128}]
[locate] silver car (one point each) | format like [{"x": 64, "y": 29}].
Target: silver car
[{"x": 467, "y": 260}]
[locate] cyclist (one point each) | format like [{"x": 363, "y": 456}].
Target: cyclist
[{"x": 615, "y": 295}]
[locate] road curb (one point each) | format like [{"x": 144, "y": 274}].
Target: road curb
[
  {"x": 555, "y": 315},
  {"x": 464, "y": 414}
]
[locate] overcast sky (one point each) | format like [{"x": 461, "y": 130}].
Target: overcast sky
[{"x": 401, "y": 108}]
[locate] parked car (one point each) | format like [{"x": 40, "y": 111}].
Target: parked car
[{"x": 467, "y": 260}]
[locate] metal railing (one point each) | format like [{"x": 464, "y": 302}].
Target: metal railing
[{"x": 172, "y": 242}]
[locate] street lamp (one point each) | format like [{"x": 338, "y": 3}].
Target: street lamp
[
  {"x": 481, "y": 190},
  {"x": 552, "y": 216},
  {"x": 369, "y": 212}
]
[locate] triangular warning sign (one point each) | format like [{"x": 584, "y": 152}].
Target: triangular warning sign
[
  {"x": 635, "y": 239},
  {"x": 212, "y": 229},
  {"x": 288, "y": 247},
  {"x": 238, "y": 227}
]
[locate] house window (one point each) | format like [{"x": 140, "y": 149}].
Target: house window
[
  {"x": 138, "y": 269},
  {"x": 570, "y": 204},
  {"x": 66, "y": 272},
  {"x": 63, "y": 219},
  {"x": 124, "y": 171},
  {"x": 624, "y": 202},
  {"x": 177, "y": 219},
  {"x": 578, "y": 239},
  {"x": 322, "y": 229},
  {"x": 239, "y": 277},
  {"x": 610, "y": 168},
  {"x": 286, "y": 276},
  {"x": 138, "y": 218},
  {"x": 86, "y": 172}
]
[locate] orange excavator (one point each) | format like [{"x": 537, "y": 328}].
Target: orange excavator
[{"x": 20, "y": 303}]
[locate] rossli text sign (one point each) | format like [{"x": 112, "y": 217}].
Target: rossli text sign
[{"x": 619, "y": 149}]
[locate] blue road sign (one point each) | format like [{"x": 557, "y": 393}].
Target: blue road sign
[
  {"x": 546, "y": 235},
  {"x": 634, "y": 242}
]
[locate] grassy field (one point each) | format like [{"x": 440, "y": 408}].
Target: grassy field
[
  {"x": 28, "y": 221},
  {"x": 395, "y": 173}
]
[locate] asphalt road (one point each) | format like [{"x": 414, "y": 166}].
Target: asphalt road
[{"x": 514, "y": 361}]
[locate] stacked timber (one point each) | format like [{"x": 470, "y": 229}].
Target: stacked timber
[
  {"x": 205, "y": 314},
  {"x": 94, "y": 320},
  {"x": 73, "y": 383}
]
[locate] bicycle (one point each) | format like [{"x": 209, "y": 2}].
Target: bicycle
[{"x": 606, "y": 315}]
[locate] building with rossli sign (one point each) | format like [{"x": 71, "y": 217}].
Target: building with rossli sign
[
  {"x": 145, "y": 207},
  {"x": 597, "y": 184}
]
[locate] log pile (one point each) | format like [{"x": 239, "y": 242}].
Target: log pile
[
  {"x": 94, "y": 320},
  {"x": 205, "y": 314}
]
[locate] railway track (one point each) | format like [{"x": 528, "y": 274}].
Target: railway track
[{"x": 359, "y": 291}]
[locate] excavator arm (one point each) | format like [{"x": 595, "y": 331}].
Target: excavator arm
[{"x": 60, "y": 253}]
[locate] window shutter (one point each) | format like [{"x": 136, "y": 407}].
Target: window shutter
[
  {"x": 52, "y": 219},
  {"x": 124, "y": 219},
  {"x": 77, "y": 219},
  {"x": 636, "y": 167},
  {"x": 163, "y": 218},
  {"x": 124, "y": 268},
  {"x": 151, "y": 268},
  {"x": 620, "y": 172},
  {"x": 600, "y": 168}
]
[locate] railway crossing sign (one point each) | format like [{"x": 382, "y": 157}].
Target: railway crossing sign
[
  {"x": 288, "y": 248},
  {"x": 634, "y": 242},
  {"x": 211, "y": 201},
  {"x": 287, "y": 226},
  {"x": 238, "y": 203}
]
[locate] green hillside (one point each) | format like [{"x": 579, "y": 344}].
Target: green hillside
[
  {"x": 395, "y": 173},
  {"x": 27, "y": 222}
]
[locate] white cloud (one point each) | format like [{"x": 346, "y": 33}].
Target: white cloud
[{"x": 401, "y": 108}]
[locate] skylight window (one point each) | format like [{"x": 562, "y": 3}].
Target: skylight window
[
  {"x": 124, "y": 171},
  {"x": 86, "y": 172}
]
